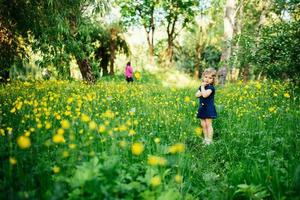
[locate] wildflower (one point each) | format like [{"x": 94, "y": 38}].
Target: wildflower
[
  {"x": 157, "y": 140},
  {"x": 92, "y": 125},
  {"x": 65, "y": 124},
  {"x": 101, "y": 128},
  {"x": 198, "y": 131},
  {"x": 177, "y": 148},
  {"x": 131, "y": 132},
  {"x": 57, "y": 138},
  {"x": 13, "y": 110},
  {"x": 272, "y": 109},
  {"x": 286, "y": 95},
  {"x": 156, "y": 160},
  {"x": 23, "y": 142},
  {"x": 155, "y": 181},
  {"x": 56, "y": 169},
  {"x": 137, "y": 148},
  {"x": 47, "y": 125},
  {"x": 122, "y": 144},
  {"x": 178, "y": 178},
  {"x": 60, "y": 131},
  {"x": 72, "y": 146},
  {"x": 2, "y": 132},
  {"x": 137, "y": 75},
  {"x": 187, "y": 99},
  {"x": 85, "y": 118},
  {"x": 12, "y": 160},
  {"x": 65, "y": 154}
]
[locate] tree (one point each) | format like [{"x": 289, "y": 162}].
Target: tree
[
  {"x": 54, "y": 25},
  {"x": 143, "y": 13},
  {"x": 177, "y": 14}
]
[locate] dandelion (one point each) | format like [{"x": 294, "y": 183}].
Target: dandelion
[
  {"x": 57, "y": 138},
  {"x": 2, "y": 132},
  {"x": 47, "y": 125},
  {"x": 157, "y": 140},
  {"x": 85, "y": 118},
  {"x": 155, "y": 181},
  {"x": 122, "y": 144},
  {"x": 65, "y": 154},
  {"x": 177, "y": 148},
  {"x": 187, "y": 99},
  {"x": 101, "y": 128},
  {"x": 156, "y": 160},
  {"x": 178, "y": 178},
  {"x": 23, "y": 142},
  {"x": 286, "y": 95},
  {"x": 13, "y": 110},
  {"x": 60, "y": 131},
  {"x": 131, "y": 132},
  {"x": 137, "y": 148},
  {"x": 137, "y": 75},
  {"x": 72, "y": 146},
  {"x": 198, "y": 131},
  {"x": 272, "y": 109},
  {"x": 65, "y": 124},
  {"x": 12, "y": 160},
  {"x": 92, "y": 125},
  {"x": 56, "y": 169}
]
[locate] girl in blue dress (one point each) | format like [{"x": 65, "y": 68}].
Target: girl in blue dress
[{"x": 207, "y": 110}]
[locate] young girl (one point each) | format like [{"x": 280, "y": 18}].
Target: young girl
[
  {"x": 128, "y": 73},
  {"x": 207, "y": 110}
]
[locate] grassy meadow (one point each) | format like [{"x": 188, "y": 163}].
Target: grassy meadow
[{"x": 70, "y": 140}]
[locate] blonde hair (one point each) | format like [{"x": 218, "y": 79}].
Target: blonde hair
[{"x": 211, "y": 71}]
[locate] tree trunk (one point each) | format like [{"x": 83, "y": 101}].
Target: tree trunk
[
  {"x": 86, "y": 70},
  {"x": 104, "y": 65},
  {"x": 229, "y": 22},
  {"x": 112, "y": 49}
]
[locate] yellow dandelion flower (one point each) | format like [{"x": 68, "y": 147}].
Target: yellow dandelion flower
[
  {"x": 12, "y": 160},
  {"x": 178, "y": 178},
  {"x": 131, "y": 132},
  {"x": 60, "y": 131},
  {"x": 137, "y": 75},
  {"x": 57, "y": 138},
  {"x": 13, "y": 110},
  {"x": 137, "y": 148},
  {"x": 155, "y": 181},
  {"x": 177, "y": 148},
  {"x": 286, "y": 95},
  {"x": 65, "y": 124},
  {"x": 2, "y": 132},
  {"x": 23, "y": 142},
  {"x": 198, "y": 131},
  {"x": 65, "y": 154},
  {"x": 92, "y": 125},
  {"x": 101, "y": 128},
  {"x": 47, "y": 125},
  {"x": 56, "y": 169},
  {"x": 70, "y": 100},
  {"x": 157, "y": 140},
  {"x": 85, "y": 118},
  {"x": 122, "y": 144},
  {"x": 272, "y": 109},
  {"x": 187, "y": 99},
  {"x": 72, "y": 146},
  {"x": 156, "y": 160}
]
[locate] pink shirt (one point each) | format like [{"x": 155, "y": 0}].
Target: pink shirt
[{"x": 128, "y": 71}]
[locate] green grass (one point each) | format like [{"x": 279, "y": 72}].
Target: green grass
[{"x": 255, "y": 154}]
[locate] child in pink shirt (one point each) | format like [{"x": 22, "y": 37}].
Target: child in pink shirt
[{"x": 129, "y": 73}]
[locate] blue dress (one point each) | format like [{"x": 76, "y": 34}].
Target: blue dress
[{"x": 207, "y": 107}]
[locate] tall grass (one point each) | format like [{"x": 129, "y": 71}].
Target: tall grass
[{"x": 69, "y": 140}]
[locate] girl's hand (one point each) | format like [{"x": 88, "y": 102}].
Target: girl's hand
[
  {"x": 198, "y": 94},
  {"x": 203, "y": 84}
]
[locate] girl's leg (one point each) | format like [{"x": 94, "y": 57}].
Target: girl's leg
[
  {"x": 203, "y": 125},
  {"x": 209, "y": 129}
]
